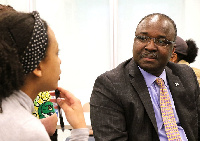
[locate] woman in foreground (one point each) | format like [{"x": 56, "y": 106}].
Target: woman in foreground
[{"x": 29, "y": 64}]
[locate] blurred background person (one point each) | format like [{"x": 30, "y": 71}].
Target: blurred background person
[{"x": 185, "y": 53}]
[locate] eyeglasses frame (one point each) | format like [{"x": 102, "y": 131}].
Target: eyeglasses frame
[{"x": 154, "y": 39}]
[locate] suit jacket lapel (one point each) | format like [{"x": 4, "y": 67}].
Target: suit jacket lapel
[
  {"x": 176, "y": 88},
  {"x": 139, "y": 84},
  {"x": 179, "y": 96}
]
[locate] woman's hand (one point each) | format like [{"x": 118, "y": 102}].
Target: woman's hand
[
  {"x": 72, "y": 108},
  {"x": 50, "y": 123}
]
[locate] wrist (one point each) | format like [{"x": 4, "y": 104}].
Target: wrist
[{"x": 80, "y": 125}]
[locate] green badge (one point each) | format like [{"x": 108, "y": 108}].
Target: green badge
[{"x": 46, "y": 109}]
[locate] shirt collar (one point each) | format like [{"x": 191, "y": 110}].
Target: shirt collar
[
  {"x": 149, "y": 78},
  {"x": 24, "y": 100}
]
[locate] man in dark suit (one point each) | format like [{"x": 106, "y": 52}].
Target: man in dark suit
[{"x": 125, "y": 101}]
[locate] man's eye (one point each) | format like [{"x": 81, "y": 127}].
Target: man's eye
[
  {"x": 161, "y": 41},
  {"x": 142, "y": 38}
]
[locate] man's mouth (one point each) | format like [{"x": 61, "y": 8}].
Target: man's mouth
[{"x": 149, "y": 55}]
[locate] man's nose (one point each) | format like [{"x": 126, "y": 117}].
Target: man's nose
[{"x": 151, "y": 46}]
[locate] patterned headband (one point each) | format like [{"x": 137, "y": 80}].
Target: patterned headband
[{"x": 36, "y": 48}]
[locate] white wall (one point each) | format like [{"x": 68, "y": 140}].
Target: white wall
[
  {"x": 85, "y": 32},
  {"x": 20, "y": 5},
  {"x": 82, "y": 28}
]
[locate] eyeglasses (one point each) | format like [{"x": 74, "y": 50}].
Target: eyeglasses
[{"x": 158, "y": 41}]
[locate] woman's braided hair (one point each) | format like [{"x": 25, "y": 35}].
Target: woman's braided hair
[{"x": 16, "y": 29}]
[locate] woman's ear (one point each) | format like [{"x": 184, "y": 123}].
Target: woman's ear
[{"x": 37, "y": 71}]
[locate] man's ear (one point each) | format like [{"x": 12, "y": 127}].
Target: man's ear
[
  {"x": 174, "y": 57},
  {"x": 174, "y": 49},
  {"x": 37, "y": 71}
]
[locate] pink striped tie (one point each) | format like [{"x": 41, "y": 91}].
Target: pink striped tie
[{"x": 167, "y": 113}]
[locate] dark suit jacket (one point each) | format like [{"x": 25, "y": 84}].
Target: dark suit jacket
[{"x": 121, "y": 107}]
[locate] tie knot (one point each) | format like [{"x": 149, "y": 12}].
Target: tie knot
[{"x": 159, "y": 82}]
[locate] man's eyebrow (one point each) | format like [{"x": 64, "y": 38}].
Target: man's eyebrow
[
  {"x": 162, "y": 36},
  {"x": 159, "y": 36},
  {"x": 145, "y": 33}
]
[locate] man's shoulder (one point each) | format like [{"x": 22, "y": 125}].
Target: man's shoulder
[
  {"x": 178, "y": 67},
  {"x": 121, "y": 69}
]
